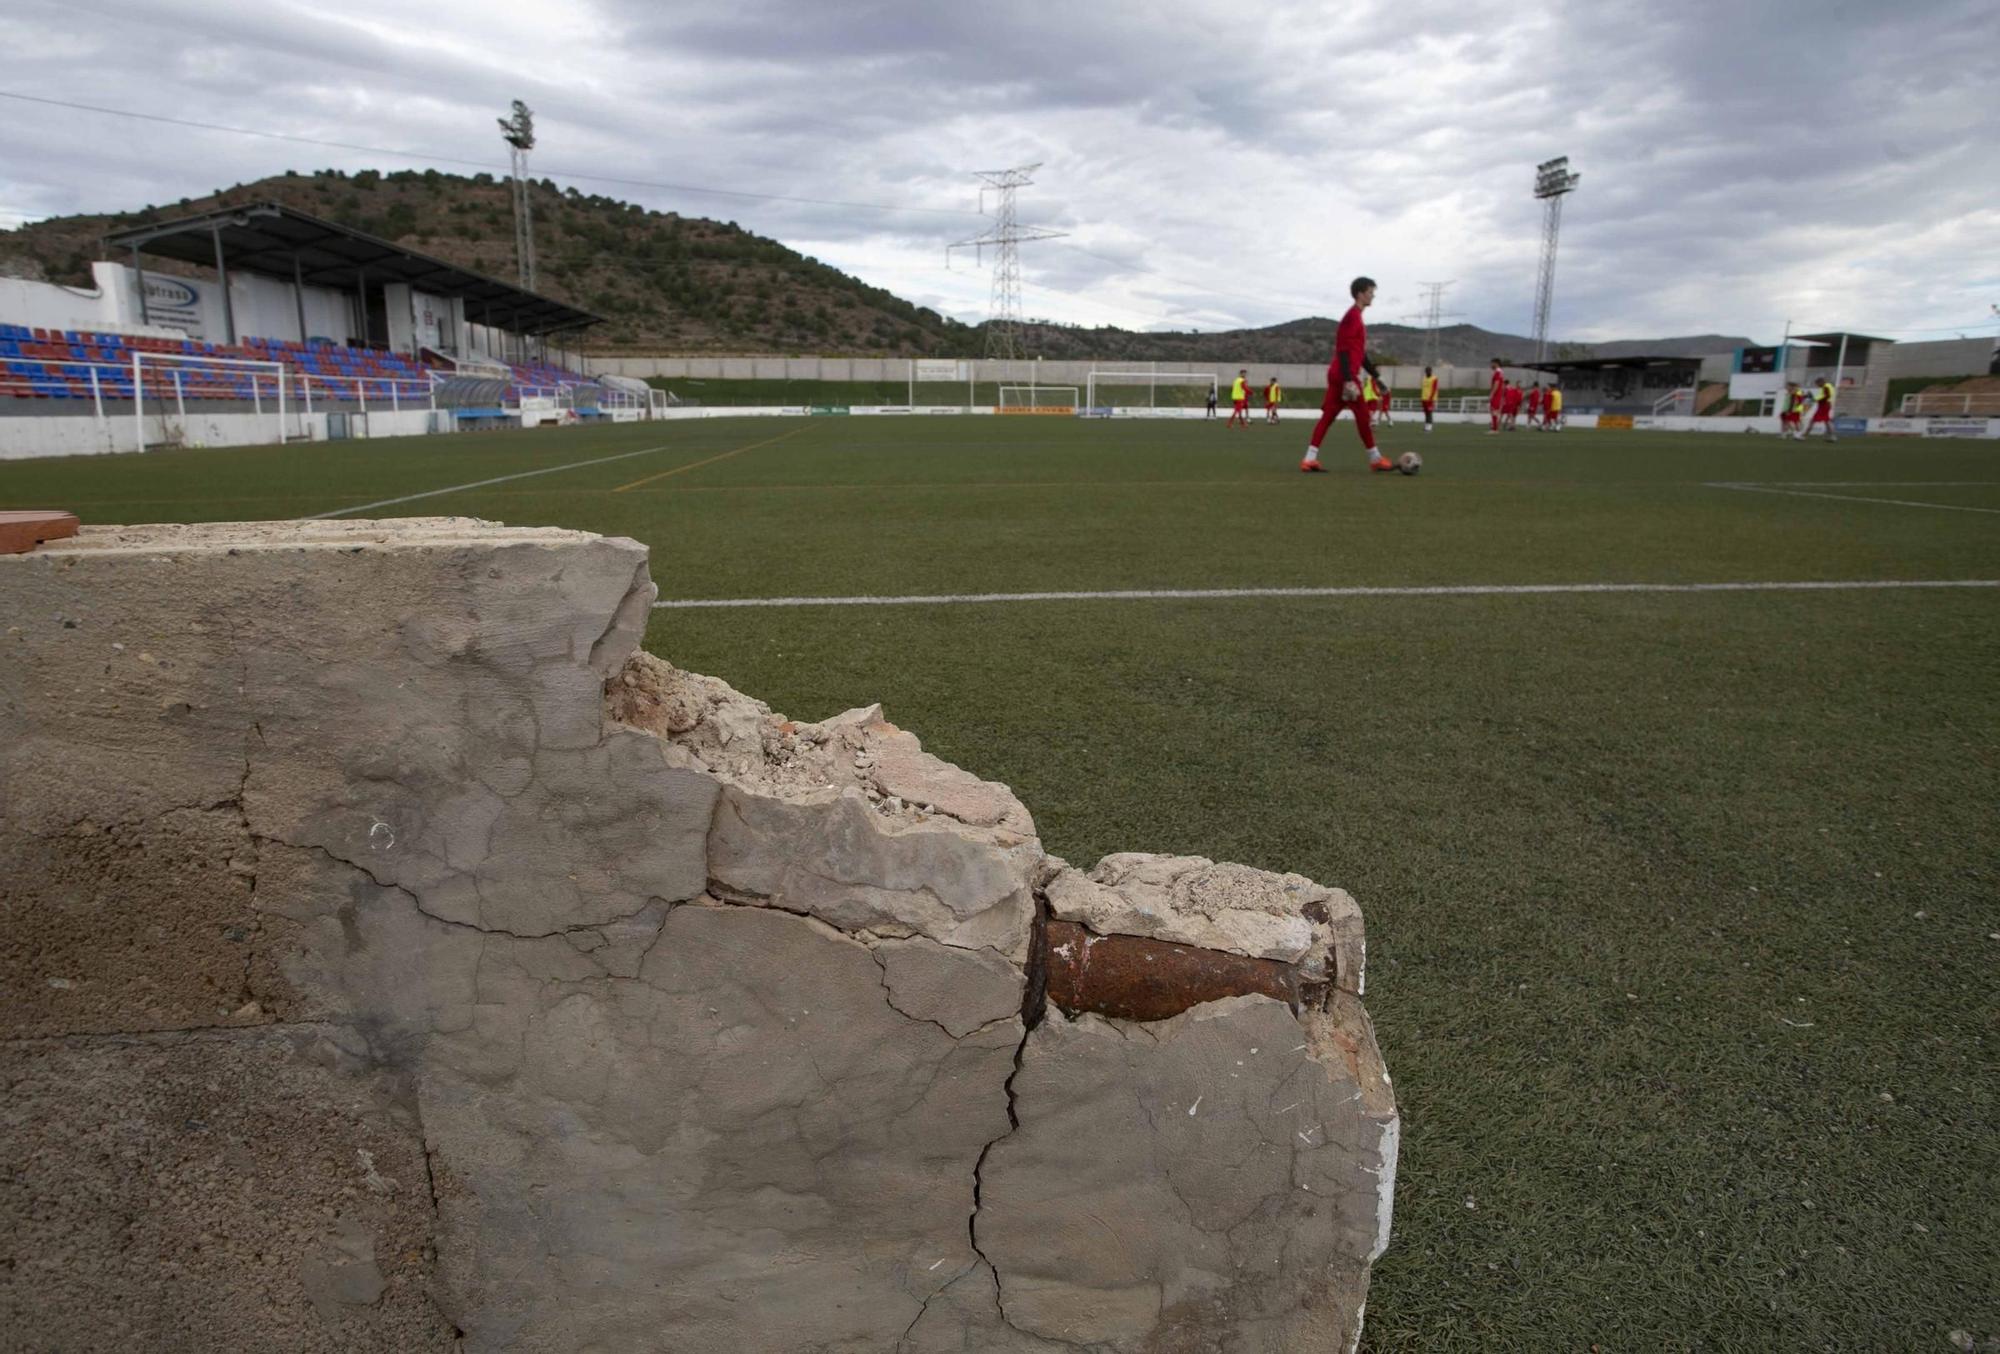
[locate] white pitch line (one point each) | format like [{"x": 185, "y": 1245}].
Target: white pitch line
[
  {"x": 481, "y": 484},
  {"x": 1849, "y": 498},
  {"x": 1206, "y": 594}
]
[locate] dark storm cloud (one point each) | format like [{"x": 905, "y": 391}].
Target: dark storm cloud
[{"x": 1212, "y": 165}]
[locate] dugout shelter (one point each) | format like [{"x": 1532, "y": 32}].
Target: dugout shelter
[{"x": 1619, "y": 385}]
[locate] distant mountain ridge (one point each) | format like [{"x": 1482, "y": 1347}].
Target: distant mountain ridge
[{"x": 668, "y": 283}]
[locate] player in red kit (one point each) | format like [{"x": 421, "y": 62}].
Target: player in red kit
[
  {"x": 1535, "y": 404},
  {"x": 1496, "y": 396},
  {"x": 1344, "y": 376},
  {"x": 1511, "y": 410}
]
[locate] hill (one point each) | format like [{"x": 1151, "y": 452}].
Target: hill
[
  {"x": 673, "y": 283},
  {"x": 660, "y": 279}
]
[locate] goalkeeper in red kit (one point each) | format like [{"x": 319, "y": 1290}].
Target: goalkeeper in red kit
[{"x": 1343, "y": 381}]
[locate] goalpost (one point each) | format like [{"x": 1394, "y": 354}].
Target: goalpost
[
  {"x": 1038, "y": 399},
  {"x": 175, "y": 380},
  {"x": 1152, "y": 380}
]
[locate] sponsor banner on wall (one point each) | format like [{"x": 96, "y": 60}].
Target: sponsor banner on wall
[
  {"x": 939, "y": 409},
  {"x": 877, "y": 409},
  {"x": 825, "y": 410},
  {"x": 1617, "y": 421},
  {"x": 427, "y": 315},
  {"x": 1954, "y": 427},
  {"x": 175, "y": 303},
  {"x": 1065, "y": 410},
  {"x": 1849, "y": 423},
  {"x": 934, "y": 369},
  {"x": 1896, "y": 427}
]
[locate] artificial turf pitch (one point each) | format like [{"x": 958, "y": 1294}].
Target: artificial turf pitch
[{"x": 1683, "y": 908}]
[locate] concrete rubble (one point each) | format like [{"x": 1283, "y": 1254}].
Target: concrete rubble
[{"x": 400, "y": 958}]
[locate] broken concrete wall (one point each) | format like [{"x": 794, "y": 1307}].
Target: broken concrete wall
[{"x": 398, "y": 958}]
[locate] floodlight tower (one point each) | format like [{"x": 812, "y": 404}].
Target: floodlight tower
[
  {"x": 1005, "y": 236},
  {"x": 519, "y": 133},
  {"x": 1553, "y": 181}
]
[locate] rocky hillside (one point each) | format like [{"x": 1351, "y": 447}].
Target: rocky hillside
[
  {"x": 667, "y": 282},
  {"x": 660, "y": 279}
]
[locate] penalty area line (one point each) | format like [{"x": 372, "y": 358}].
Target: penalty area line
[{"x": 1439, "y": 590}]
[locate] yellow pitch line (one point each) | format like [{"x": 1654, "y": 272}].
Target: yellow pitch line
[{"x": 696, "y": 465}]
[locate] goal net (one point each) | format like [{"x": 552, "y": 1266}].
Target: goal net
[
  {"x": 1038, "y": 399},
  {"x": 1149, "y": 388},
  {"x": 175, "y": 396}
]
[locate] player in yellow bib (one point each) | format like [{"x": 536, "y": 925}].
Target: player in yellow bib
[
  {"x": 1239, "y": 400},
  {"x": 1428, "y": 393},
  {"x": 1822, "y": 412},
  {"x": 1552, "y": 418},
  {"x": 1274, "y": 395}
]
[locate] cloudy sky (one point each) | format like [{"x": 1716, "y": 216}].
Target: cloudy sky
[{"x": 1213, "y": 164}]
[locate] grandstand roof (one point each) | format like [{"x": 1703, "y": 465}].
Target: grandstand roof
[
  {"x": 1609, "y": 363},
  {"x": 1836, "y": 336},
  {"x": 267, "y": 238}
]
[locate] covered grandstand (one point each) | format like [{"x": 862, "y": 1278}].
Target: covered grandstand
[{"x": 337, "y": 332}]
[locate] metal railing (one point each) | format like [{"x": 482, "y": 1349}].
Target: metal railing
[
  {"x": 1972, "y": 402},
  {"x": 185, "y": 378},
  {"x": 191, "y": 377}
]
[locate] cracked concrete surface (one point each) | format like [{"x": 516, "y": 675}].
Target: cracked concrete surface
[{"x": 398, "y": 958}]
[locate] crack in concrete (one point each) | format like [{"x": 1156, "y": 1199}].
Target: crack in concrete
[
  {"x": 669, "y": 903},
  {"x": 1034, "y": 1006}
]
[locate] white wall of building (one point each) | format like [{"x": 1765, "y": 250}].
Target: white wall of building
[{"x": 190, "y": 307}]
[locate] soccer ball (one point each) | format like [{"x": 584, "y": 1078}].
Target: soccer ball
[{"x": 1409, "y": 463}]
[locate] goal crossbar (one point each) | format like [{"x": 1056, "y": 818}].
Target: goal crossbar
[{"x": 1052, "y": 399}]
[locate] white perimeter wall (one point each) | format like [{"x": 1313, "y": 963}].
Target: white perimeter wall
[
  {"x": 1294, "y": 376},
  {"x": 28, "y": 436}
]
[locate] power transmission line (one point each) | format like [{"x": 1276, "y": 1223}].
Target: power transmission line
[
  {"x": 1005, "y": 236},
  {"x": 1433, "y": 315}
]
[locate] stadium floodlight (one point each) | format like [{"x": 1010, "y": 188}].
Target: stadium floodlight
[
  {"x": 1553, "y": 181},
  {"x": 518, "y": 131}
]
